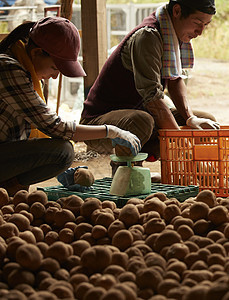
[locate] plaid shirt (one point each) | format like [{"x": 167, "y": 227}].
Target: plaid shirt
[{"x": 21, "y": 106}]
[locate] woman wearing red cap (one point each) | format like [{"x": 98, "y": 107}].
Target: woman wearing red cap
[
  {"x": 31, "y": 52},
  {"x": 129, "y": 91}
]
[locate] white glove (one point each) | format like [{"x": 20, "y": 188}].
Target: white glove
[
  {"x": 123, "y": 138},
  {"x": 200, "y": 123}
]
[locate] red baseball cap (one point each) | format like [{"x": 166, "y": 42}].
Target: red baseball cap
[{"x": 60, "y": 39}]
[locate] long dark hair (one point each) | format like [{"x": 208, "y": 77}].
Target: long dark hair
[{"x": 21, "y": 32}]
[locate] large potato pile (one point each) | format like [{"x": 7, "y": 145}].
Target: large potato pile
[{"x": 156, "y": 248}]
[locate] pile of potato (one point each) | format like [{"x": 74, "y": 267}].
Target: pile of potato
[{"x": 156, "y": 248}]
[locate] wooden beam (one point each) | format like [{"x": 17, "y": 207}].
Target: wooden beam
[{"x": 94, "y": 39}]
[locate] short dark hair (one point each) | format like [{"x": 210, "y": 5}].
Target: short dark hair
[{"x": 185, "y": 10}]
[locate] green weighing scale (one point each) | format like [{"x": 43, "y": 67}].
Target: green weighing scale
[{"x": 130, "y": 180}]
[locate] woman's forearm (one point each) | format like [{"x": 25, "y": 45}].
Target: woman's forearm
[{"x": 89, "y": 132}]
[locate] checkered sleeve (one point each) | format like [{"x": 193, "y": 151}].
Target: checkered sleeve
[{"x": 25, "y": 107}]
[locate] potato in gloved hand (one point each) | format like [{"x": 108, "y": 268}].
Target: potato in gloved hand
[{"x": 83, "y": 177}]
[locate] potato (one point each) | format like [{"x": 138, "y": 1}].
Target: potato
[
  {"x": 88, "y": 237},
  {"x": 129, "y": 215},
  {"x": 73, "y": 203},
  {"x": 154, "y": 225},
  {"x": 106, "y": 281},
  {"x": 12, "y": 247},
  {"x": 20, "y": 197},
  {"x": 44, "y": 295},
  {"x": 145, "y": 217},
  {"x": 76, "y": 279},
  {"x": 50, "y": 265},
  {"x": 177, "y": 250},
  {"x": 114, "y": 227},
  {"x": 199, "y": 275},
  {"x": 217, "y": 248},
  {"x": 166, "y": 285},
  {"x": 217, "y": 291},
  {"x": 18, "y": 276},
  {"x": 122, "y": 239},
  {"x": 119, "y": 259},
  {"x": 113, "y": 294},
  {"x": 104, "y": 219},
  {"x": 63, "y": 216},
  {"x": 199, "y": 210},
  {"x": 59, "y": 251},
  {"x": 98, "y": 232},
  {"x": 126, "y": 290},
  {"x": 7, "y": 209},
  {"x": 170, "y": 212},
  {"x": 29, "y": 256},
  {"x": 203, "y": 254},
  {"x": 66, "y": 235},
  {"x": 81, "y": 229},
  {"x": 89, "y": 205},
  {"x": 218, "y": 215},
  {"x": 37, "y": 196},
  {"x": 51, "y": 237},
  {"x": 28, "y": 215},
  {"x": 185, "y": 232},
  {"x": 109, "y": 204},
  {"x": 114, "y": 270},
  {"x": 197, "y": 292},
  {"x": 20, "y": 221},
  {"x": 50, "y": 215},
  {"x": 80, "y": 246},
  {"x": 21, "y": 207},
  {"x": 38, "y": 234},
  {"x": 148, "y": 278},
  {"x": 177, "y": 266},
  {"x": 166, "y": 238},
  {"x": 154, "y": 259},
  {"x": 38, "y": 210},
  {"x": 8, "y": 230},
  {"x": 178, "y": 292},
  {"x": 199, "y": 265},
  {"x": 154, "y": 204},
  {"x": 4, "y": 197},
  {"x": 46, "y": 283},
  {"x": 96, "y": 258},
  {"x": 26, "y": 289},
  {"x": 208, "y": 197},
  {"x": 84, "y": 177},
  {"x": 62, "y": 274},
  {"x": 61, "y": 291},
  {"x": 81, "y": 289},
  {"x": 216, "y": 258},
  {"x": 201, "y": 227},
  {"x": 127, "y": 276}
]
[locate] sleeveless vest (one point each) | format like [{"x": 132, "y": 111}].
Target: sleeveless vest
[{"x": 114, "y": 87}]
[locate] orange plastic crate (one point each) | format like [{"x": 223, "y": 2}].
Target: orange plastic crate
[{"x": 196, "y": 157}]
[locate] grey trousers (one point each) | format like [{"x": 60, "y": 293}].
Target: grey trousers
[
  {"x": 138, "y": 122},
  {"x": 35, "y": 160}
]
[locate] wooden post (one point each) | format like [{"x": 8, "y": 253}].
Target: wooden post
[
  {"x": 94, "y": 39},
  {"x": 66, "y": 12}
]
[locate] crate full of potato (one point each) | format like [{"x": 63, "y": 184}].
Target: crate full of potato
[{"x": 196, "y": 157}]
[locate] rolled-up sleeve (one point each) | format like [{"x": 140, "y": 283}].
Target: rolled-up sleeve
[{"x": 142, "y": 55}]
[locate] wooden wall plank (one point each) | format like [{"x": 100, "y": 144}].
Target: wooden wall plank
[{"x": 94, "y": 39}]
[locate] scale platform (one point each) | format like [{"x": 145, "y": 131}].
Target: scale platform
[{"x": 101, "y": 190}]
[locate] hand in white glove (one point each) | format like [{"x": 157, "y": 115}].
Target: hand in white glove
[
  {"x": 202, "y": 123},
  {"x": 123, "y": 138}
]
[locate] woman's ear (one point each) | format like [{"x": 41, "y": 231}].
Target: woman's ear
[{"x": 35, "y": 52}]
